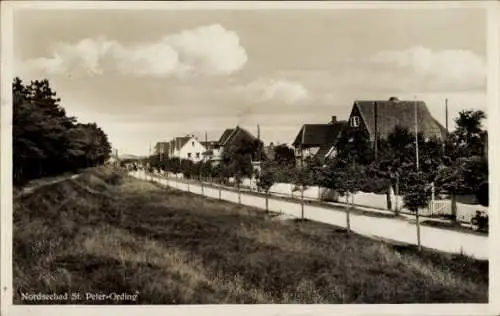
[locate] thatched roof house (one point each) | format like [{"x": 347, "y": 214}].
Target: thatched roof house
[
  {"x": 233, "y": 136},
  {"x": 383, "y": 116}
]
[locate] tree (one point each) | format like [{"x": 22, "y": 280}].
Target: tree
[
  {"x": 45, "y": 140},
  {"x": 186, "y": 167},
  {"x": 265, "y": 180},
  {"x": 354, "y": 179},
  {"x": 417, "y": 197},
  {"x": 284, "y": 155},
  {"x": 220, "y": 174},
  {"x": 207, "y": 170},
  {"x": 237, "y": 161},
  {"x": 482, "y": 193},
  {"x": 468, "y": 139},
  {"x": 174, "y": 165},
  {"x": 464, "y": 177},
  {"x": 354, "y": 145},
  {"x": 154, "y": 161},
  {"x": 397, "y": 157},
  {"x": 345, "y": 178}
]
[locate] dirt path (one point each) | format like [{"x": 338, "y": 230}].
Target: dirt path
[
  {"x": 386, "y": 228},
  {"x": 30, "y": 188}
]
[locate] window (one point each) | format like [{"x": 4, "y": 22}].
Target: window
[
  {"x": 189, "y": 155},
  {"x": 198, "y": 155},
  {"x": 354, "y": 121},
  {"x": 192, "y": 143}
]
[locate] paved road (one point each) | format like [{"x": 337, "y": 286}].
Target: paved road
[{"x": 386, "y": 228}]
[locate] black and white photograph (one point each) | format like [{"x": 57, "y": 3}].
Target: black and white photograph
[{"x": 249, "y": 155}]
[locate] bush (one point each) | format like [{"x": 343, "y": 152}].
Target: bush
[
  {"x": 480, "y": 221},
  {"x": 482, "y": 194},
  {"x": 115, "y": 179}
]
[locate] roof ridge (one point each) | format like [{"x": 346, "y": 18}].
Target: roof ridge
[{"x": 233, "y": 131}]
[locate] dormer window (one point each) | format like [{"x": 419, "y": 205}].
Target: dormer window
[
  {"x": 354, "y": 121},
  {"x": 192, "y": 143}
]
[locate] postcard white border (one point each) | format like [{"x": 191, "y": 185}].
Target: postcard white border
[
  {"x": 493, "y": 86},
  {"x": 7, "y": 9},
  {"x": 6, "y": 157}
]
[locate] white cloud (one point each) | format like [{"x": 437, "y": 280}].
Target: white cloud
[
  {"x": 265, "y": 90},
  {"x": 455, "y": 69},
  {"x": 206, "y": 50}
]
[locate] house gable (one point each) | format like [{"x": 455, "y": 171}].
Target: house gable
[
  {"x": 299, "y": 139},
  {"x": 356, "y": 115},
  {"x": 192, "y": 149}
]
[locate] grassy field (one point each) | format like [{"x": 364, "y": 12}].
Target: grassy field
[{"x": 103, "y": 233}]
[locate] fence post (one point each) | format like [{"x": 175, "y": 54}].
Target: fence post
[
  {"x": 347, "y": 213},
  {"x": 432, "y": 204},
  {"x": 418, "y": 229},
  {"x": 433, "y": 192},
  {"x": 302, "y": 202},
  {"x": 396, "y": 195}
]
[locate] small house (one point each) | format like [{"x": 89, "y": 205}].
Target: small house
[{"x": 317, "y": 140}]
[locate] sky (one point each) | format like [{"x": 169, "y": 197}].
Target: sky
[{"x": 147, "y": 76}]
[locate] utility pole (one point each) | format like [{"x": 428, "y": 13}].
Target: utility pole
[
  {"x": 149, "y": 158},
  {"x": 117, "y": 163},
  {"x": 259, "y": 151},
  {"x": 375, "y": 114},
  {"x": 445, "y": 140},
  {"x": 416, "y": 133},
  {"x": 446, "y": 115},
  {"x": 258, "y": 138},
  {"x": 206, "y": 146}
]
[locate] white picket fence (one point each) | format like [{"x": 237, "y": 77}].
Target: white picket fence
[{"x": 437, "y": 207}]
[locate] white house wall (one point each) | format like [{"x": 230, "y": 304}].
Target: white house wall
[{"x": 194, "y": 147}]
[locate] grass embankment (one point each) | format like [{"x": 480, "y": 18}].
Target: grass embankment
[{"x": 103, "y": 233}]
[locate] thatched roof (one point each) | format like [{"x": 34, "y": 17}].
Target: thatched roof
[
  {"x": 394, "y": 112},
  {"x": 230, "y": 134},
  {"x": 318, "y": 135},
  {"x": 225, "y": 136}
]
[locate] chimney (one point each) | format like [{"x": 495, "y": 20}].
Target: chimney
[{"x": 334, "y": 119}]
